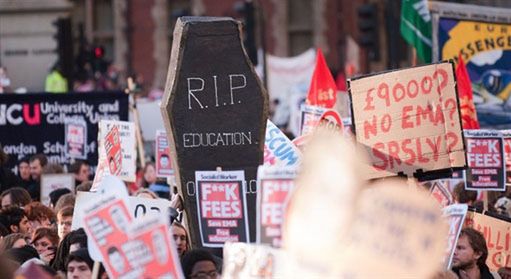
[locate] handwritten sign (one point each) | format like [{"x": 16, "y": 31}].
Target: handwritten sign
[
  {"x": 486, "y": 160},
  {"x": 117, "y": 140},
  {"x": 275, "y": 185},
  {"x": 278, "y": 149},
  {"x": 409, "y": 120},
  {"x": 455, "y": 215},
  {"x": 76, "y": 138},
  {"x": 497, "y": 234},
  {"x": 214, "y": 108},
  {"x": 163, "y": 159},
  {"x": 50, "y": 182},
  {"x": 222, "y": 206}
]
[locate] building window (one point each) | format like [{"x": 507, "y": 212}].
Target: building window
[{"x": 299, "y": 26}]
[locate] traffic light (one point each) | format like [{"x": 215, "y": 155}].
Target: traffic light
[
  {"x": 99, "y": 64},
  {"x": 368, "y": 29},
  {"x": 64, "y": 39}
]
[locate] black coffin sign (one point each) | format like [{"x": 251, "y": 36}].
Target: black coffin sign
[{"x": 214, "y": 108}]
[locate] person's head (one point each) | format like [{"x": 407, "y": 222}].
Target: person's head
[
  {"x": 470, "y": 250},
  {"x": 464, "y": 196},
  {"x": 16, "y": 196},
  {"x": 181, "y": 239},
  {"x": 44, "y": 239},
  {"x": 77, "y": 240},
  {"x": 64, "y": 221},
  {"x": 52, "y": 168},
  {"x": 15, "y": 220},
  {"x": 164, "y": 160},
  {"x": 22, "y": 254},
  {"x": 65, "y": 201},
  {"x": 84, "y": 186},
  {"x": 81, "y": 170},
  {"x": 3, "y": 157},
  {"x": 39, "y": 215},
  {"x": 145, "y": 193},
  {"x": 79, "y": 265},
  {"x": 116, "y": 259},
  {"x": 37, "y": 163},
  {"x": 56, "y": 194},
  {"x": 14, "y": 240},
  {"x": 24, "y": 169},
  {"x": 149, "y": 174},
  {"x": 199, "y": 263}
]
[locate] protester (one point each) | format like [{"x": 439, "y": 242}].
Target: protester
[
  {"x": 15, "y": 196},
  {"x": 177, "y": 201},
  {"x": 181, "y": 238},
  {"x": 79, "y": 265},
  {"x": 56, "y": 194},
  {"x": 13, "y": 240},
  {"x": 7, "y": 178},
  {"x": 37, "y": 163},
  {"x": 15, "y": 220},
  {"x": 53, "y": 168},
  {"x": 77, "y": 240},
  {"x": 64, "y": 249},
  {"x": 469, "y": 260},
  {"x": 81, "y": 171},
  {"x": 22, "y": 254},
  {"x": 64, "y": 221},
  {"x": 83, "y": 187},
  {"x": 24, "y": 173},
  {"x": 199, "y": 263},
  {"x": 45, "y": 241},
  {"x": 65, "y": 201},
  {"x": 145, "y": 193},
  {"x": 149, "y": 175},
  {"x": 40, "y": 215},
  {"x": 151, "y": 181},
  {"x": 464, "y": 196}
]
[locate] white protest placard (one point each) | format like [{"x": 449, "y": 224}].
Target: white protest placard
[
  {"x": 221, "y": 207},
  {"x": 278, "y": 149},
  {"x": 455, "y": 215},
  {"x": 440, "y": 192},
  {"x": 121, "y": 156},
  {"x": 310, "y": 116},
  {"x": 275, "y": 185},
  {"x": 50, "y": 182},
  {"x": 162, "y": 155},
  {"x": 76, "y": 138},
  {"x": 408, "y": 120}
]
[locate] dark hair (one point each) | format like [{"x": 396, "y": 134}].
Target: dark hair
[
  {"x": 19, "y": 196},
  {"x": 11, "y": 215},
  {"x": 65, "y": 201},
  {"x": 51, "y": 234},
  {"x": 22, "y": 254},
  {"x": 9, "y": 240},
  {"x": 59, "y": 262},
  {"x": 37, "y": 211},
  {"x": 66, "y": 212},
  {"x": 462, "y": 195},
  {"x": 84, "y": 186},
  {"x": 477, "y": 242},
  {"x": 192, "y": 257},
  {"x": 3, "y": 156},
  {"x": 80, "y": 255},
  {"x": 43, "y": 160},
  {"x": 75, "y": 167},
  {"x": 57, "y": 193},
  {"x": 23, "y": 160},
  {"x": 78, "y": 237}
]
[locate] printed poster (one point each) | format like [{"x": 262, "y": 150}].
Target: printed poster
[
  {"x": 310, "y": 116},
  {"x": 278, "y": 149},
  {"x": 76, "y": 138},
  {"x": 51, "y": 182},
  {"x": 163, "y": 160},
  {"x": 440, "y": 192},
  {"x": 507, "y": 153},
  {"x": 455, "y": 215},
  {"x": 221, "y": 207},
  {"x": 119, "y": 153}
]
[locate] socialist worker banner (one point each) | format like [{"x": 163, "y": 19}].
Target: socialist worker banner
[
  {"x": 221, "y": 207},
  {"x": 486, "y": 160},
  {"x": 507, "y": 153},
  {"x": 482, "y": 35},
  {"x": 35, "y": 123}
]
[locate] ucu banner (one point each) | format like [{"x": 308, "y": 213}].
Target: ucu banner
[{"x": 35, "y": 123}]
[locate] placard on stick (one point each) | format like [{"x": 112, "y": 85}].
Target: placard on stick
[
  {"x": 214, "y": 108},
  {"x": 409, "y": 121}
]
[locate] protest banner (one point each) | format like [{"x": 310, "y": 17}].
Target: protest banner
[
  {"x": 275, "y": 185},
  {"x": 76, "y": 138},
  {"x": 486, "y": 160},
  {"x": 498, "y": 238},
  {"x": 455, "y": 215},
  {"x": 50, "y": 182},
  {"x": 480, "y": 35},
  {"x": 331, "y": 120},
  {"x": 408, "y": 121},
  {"x": 441, "y": 193},
  {"x": 242, "y": 260},
  {"x": 310, "y": 116},
  {"x": 278, "y": 149},
  {"x": 117, "y": 138},
  {"x": 150, "y": 249},
  {"x": 216, "y": 113},
  {"x": 25, "y": 118},
  {"x": 162, "y": 154},
  {"x": 507, "y": 154},
  {"x": 222, "y": 207}
]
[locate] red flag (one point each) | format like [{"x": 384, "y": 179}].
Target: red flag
[
  {"x": 323, "y": 91},
  {"x": 468, "y": 109}
]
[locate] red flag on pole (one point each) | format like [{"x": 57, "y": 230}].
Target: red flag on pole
[
  {"x": 323, "y": 91},
  {"x": 467, "y": 107}
]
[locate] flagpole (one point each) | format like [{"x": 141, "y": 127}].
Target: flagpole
[{"x": 414, "y": 57}]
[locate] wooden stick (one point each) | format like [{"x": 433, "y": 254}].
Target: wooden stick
[
  {"x": 95, "y": 270},
  {"x": 414, "y": 57}
]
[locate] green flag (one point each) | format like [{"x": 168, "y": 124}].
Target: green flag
[{"x": 416, "y": 27}]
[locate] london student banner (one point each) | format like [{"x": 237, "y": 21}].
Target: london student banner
[
  {"x": 408, "y": 120},
  {"x": 35, "y": 123},
  {"x": 482, "y": 36},
  {"x": 486, "y": 160}
]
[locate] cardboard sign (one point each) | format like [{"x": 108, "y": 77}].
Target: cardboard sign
[
  {"x": 486, "y": 160},
  {"x": 118, "y": 141},
  {"x": 409, "y": 120},
  {"x": 275, "y": 185},
  {"x": 455, "y": 215},
  {"x": 278, "y": 149},
  {"x": 242, "y": 260},
  {"x": 507, "y": 153},
  {"x": 163, "y": 160},
  {"x": 497, "y": 234},
  {"x": 310, "y": 116},
  {"x": 50, "y": 182},
  {"x": 106, "y": 222},
  {"x": 214, "y": 109},
  {"x": 151, "y": 250},
  {"x": 440, "y": 192},
  {"x": 222, "y": 207},
  {"x": 76, "y": 138}
]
